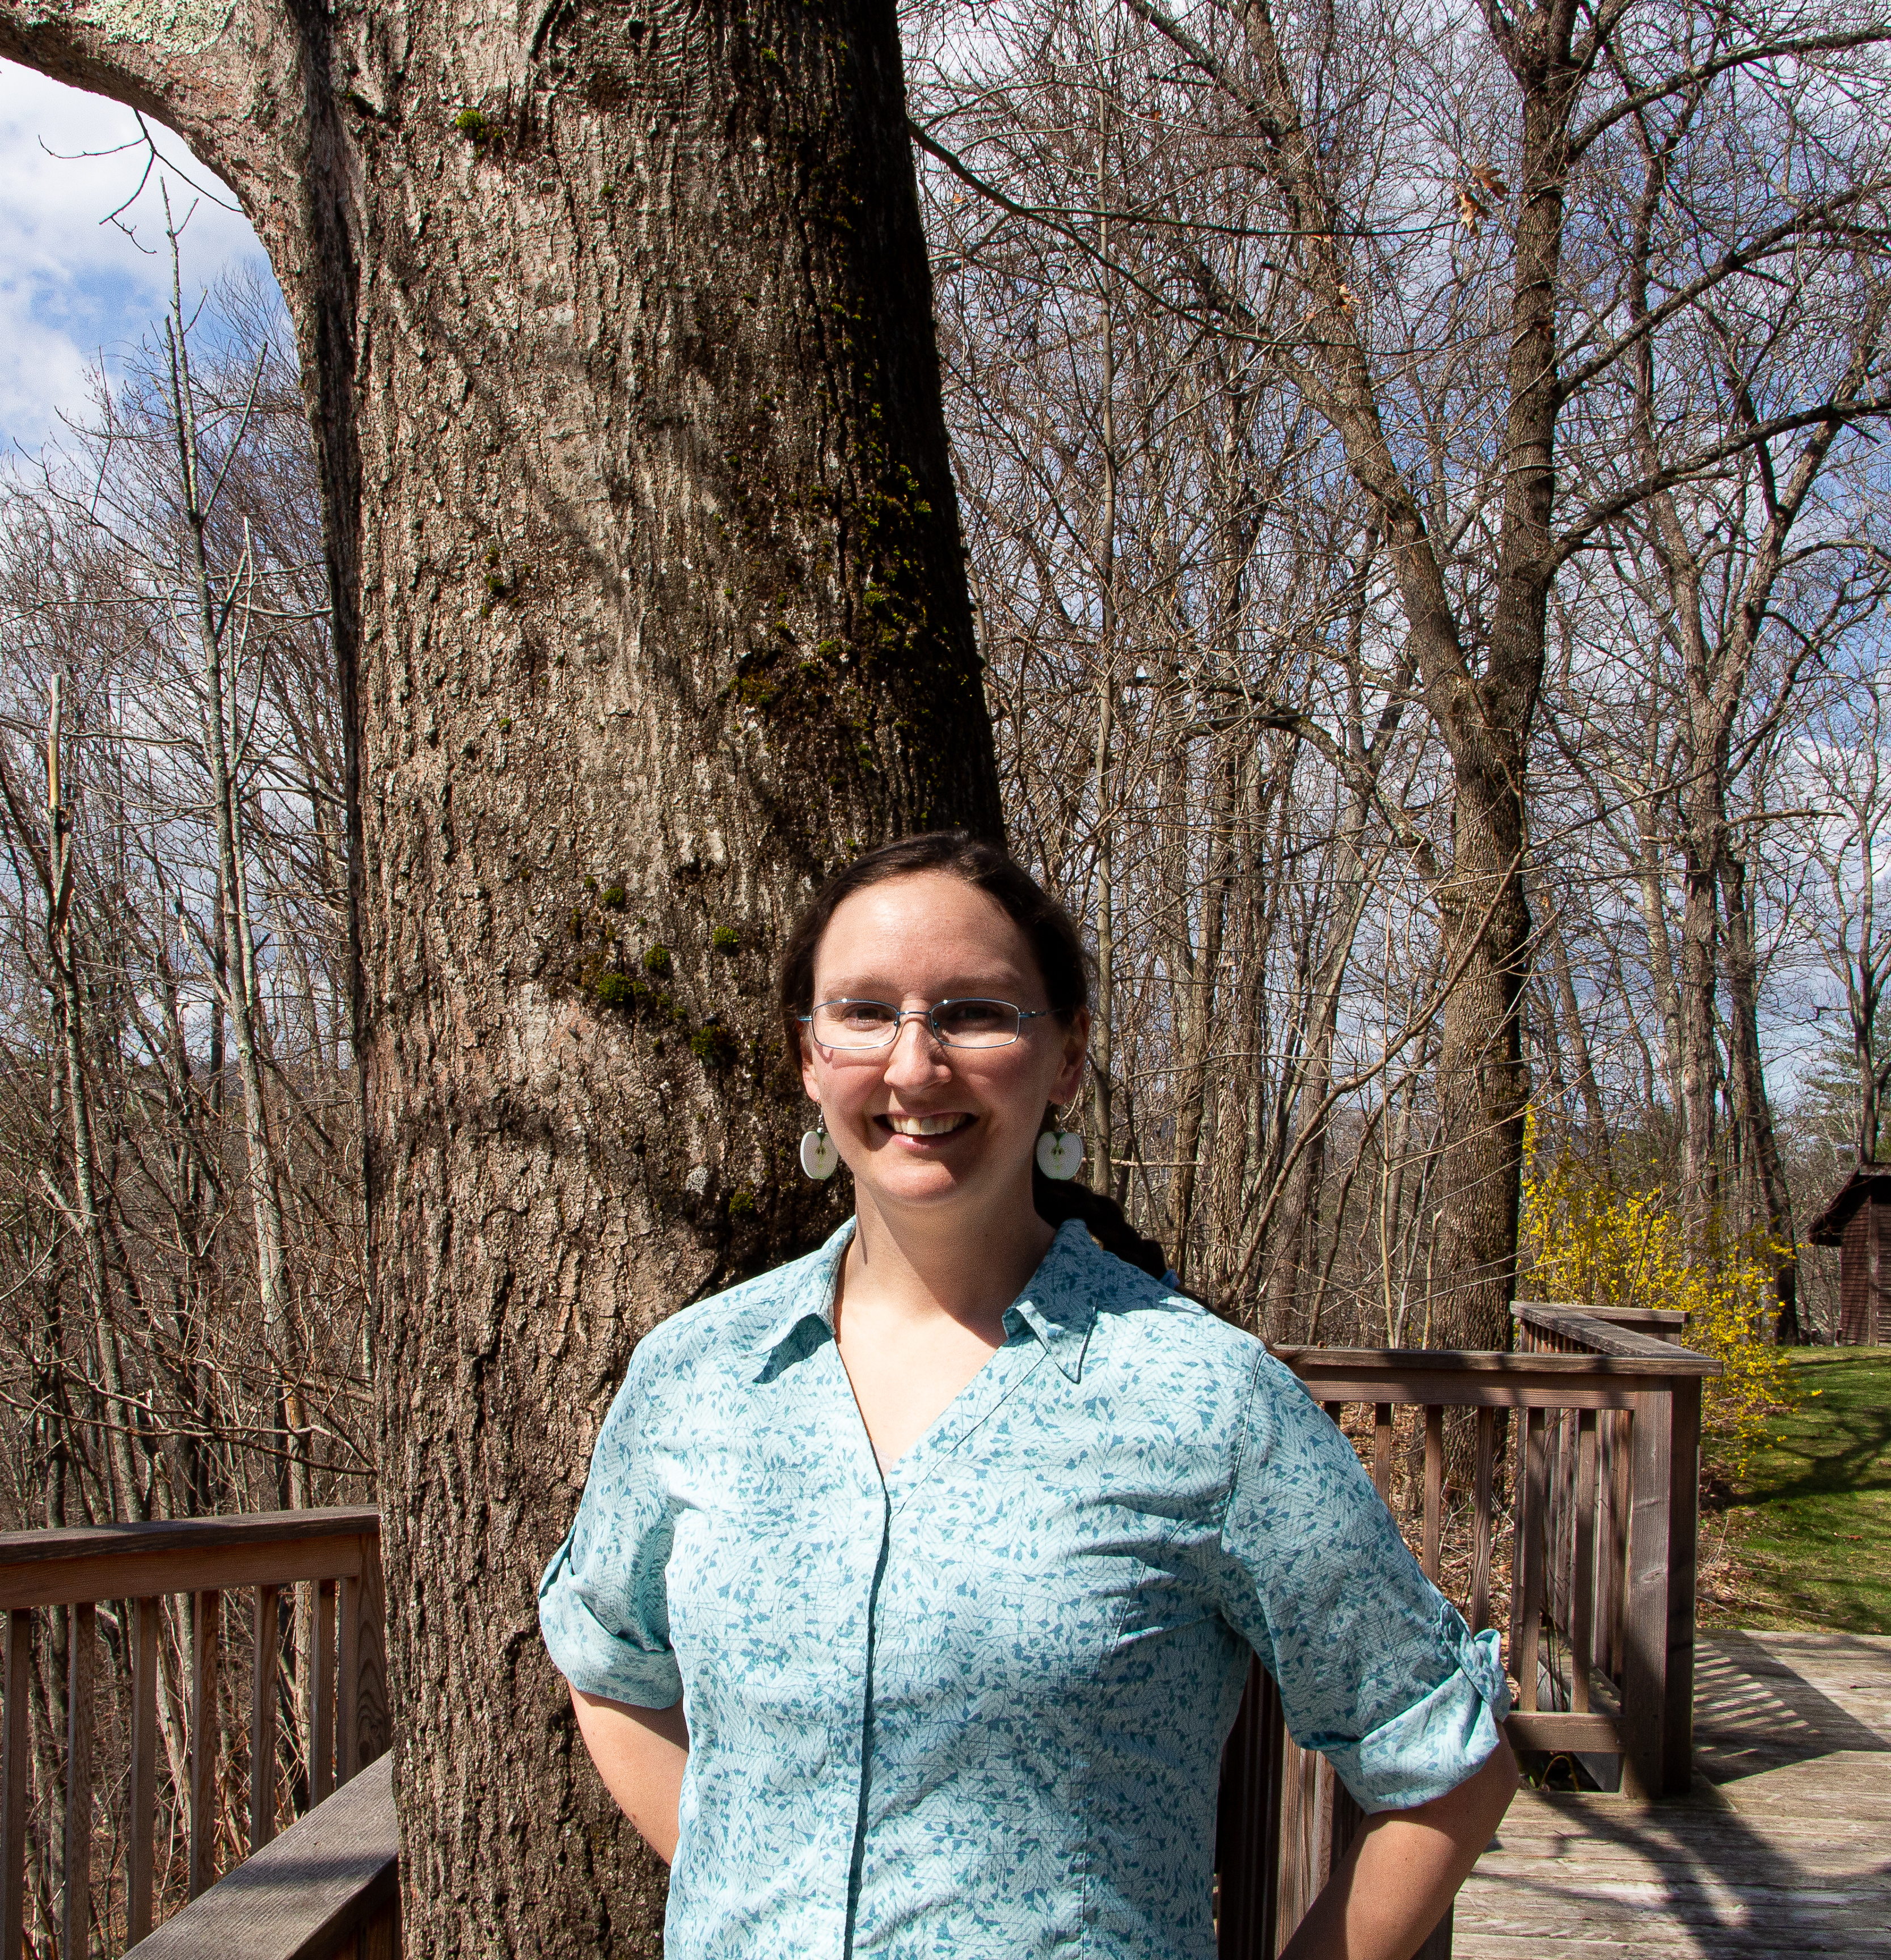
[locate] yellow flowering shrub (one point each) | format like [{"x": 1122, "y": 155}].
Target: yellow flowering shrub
[{"x": 1580, "y": 1239}]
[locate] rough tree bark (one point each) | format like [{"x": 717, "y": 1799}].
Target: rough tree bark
[{"x": 649, "y": 607}]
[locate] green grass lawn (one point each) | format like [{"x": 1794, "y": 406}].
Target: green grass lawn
[{"x": 1810, "y": 1522}]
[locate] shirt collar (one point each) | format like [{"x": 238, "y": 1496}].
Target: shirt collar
[
  {"x": 1057, "y": 1304},
  {"x": 812, "y": 1297}
]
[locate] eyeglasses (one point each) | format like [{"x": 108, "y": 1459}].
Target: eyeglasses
[{"x": 870, "y": 1024}]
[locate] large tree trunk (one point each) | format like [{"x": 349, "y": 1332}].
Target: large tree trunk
[
  {"x": 1483, "y": 1079},
  {"x": 649, "y": 608}
]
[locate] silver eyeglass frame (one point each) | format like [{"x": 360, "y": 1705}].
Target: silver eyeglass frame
[{"x": 929, "y": 1015}]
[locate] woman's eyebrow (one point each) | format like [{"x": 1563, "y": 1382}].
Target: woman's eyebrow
[{"x": 878, "y": 987}]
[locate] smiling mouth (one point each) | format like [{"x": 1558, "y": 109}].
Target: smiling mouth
[{"x": 927, "y": 1126}]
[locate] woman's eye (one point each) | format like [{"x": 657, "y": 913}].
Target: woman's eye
[
  {"x": 864, "y": 1014},
  {"x": 965, "y": 1017}
]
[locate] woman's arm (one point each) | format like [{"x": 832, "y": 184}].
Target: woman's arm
[
  {"x": 1404, "y": 1868},
  {"x": 640, "y": 1753}
]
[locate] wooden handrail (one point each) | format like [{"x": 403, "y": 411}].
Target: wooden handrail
[
  {"x": 42, "y": 1548},
  {"x": 336, "y": 1553},
  {"x": 1666, "y": 1323},
  {"x": 1597, "y": 1334},
  {"x": 133, "y": 1561},
  {"x": 1454, "y": 1379},
  {"x": 328, "y": 1887}
]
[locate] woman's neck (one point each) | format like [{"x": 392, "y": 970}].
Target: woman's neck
[{"x": 911, "y": 1267}]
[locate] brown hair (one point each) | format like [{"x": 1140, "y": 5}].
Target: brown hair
[{"x": 1056, "y": 946}]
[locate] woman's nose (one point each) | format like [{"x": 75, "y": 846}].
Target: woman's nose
[{"x": 917, "y": 1053}]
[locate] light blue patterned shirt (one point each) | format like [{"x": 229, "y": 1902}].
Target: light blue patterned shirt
[{"x": 976, "y": 1707}]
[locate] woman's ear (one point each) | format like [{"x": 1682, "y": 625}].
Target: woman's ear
[
  {"x": 1076, "y": 1046},
  {"x": 810, "y": 1080}
]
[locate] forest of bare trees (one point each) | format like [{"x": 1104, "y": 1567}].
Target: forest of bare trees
[
  {"x": 1423, "y": 487},
  {"x": 184, "y": 1325}
]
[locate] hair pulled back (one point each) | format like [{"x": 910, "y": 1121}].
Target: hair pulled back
[{"x": 1056, "y": 944}]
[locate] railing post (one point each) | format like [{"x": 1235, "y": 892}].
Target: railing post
[
  {"x": 368, "y": 1729},
  {"x": 149, "y": 1616},
  {"x": 1621, "y": 1470},
  {"x": 1645, "y": 1630},
  {"x": 1684, "y": 1475},
  {"x": 1527, "y": 1551},
  {"x": 265, "y": 1653},
  {"x": 205, "y": 1642},
  {"x": 1248, "y": 1823},
  {"x": 76, "y": 1927},
  {"x": 1433, "y": 1490},
  {"x": 1481, "y": 1543},
  {"x": 13, "y": 1777},
  {"x": 321, "y": 1699},
  {"x": 1582, "y": 1625},
  {"x": 1306, "y": 1828}
]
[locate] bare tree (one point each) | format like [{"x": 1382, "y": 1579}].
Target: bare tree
[{"x": 1845, "y": 761}]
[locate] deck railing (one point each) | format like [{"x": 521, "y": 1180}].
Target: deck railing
[
  {"x": 1611, "y": 1501},
  {"x": 1595, "y": 1549},
  {"x": 335, "y": 1554},
  {"x": 1603, "y": 1469}
]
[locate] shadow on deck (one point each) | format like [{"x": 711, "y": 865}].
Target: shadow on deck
[{"x": 1783, "y": 1848}]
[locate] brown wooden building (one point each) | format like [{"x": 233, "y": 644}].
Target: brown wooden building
[{"x": 1858, "y": 1220}]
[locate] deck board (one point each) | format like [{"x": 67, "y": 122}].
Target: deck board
[{"x": 1784, "y": 1847}]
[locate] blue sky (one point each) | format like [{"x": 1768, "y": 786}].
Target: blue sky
[{"x": 73, "y": 289}]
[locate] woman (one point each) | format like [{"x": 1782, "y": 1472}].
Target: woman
[{"x": 911, "y": 1597}]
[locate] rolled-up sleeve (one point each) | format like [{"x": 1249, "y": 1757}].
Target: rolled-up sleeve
[
  {"x": 1376, "y": 1670},
  {"x": 604, "y": 1605}
]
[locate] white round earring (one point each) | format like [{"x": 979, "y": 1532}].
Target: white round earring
[
  {"x": 819, "y": 1157},
  {"x": 1060, "y": 1152}
]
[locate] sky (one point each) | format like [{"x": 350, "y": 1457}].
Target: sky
[{"x": 74, "y": 289}]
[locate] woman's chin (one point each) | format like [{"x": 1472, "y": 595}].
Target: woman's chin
[{"x": 910, "y": 1178}]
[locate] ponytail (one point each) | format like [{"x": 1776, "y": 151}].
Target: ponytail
[{"x": 1102, "y": 1217}]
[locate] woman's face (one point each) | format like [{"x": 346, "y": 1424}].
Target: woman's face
[{"x": 921, "y": 1124}]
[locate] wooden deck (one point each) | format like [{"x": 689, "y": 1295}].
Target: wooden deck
[{"x": 1783, "y": 1848}]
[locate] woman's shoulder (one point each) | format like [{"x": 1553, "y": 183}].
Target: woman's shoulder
[
  {"x": 734, "y": 1321},
  {"x": 1144, "y": 1323},
  {"x": 1137, "y": 1316}
]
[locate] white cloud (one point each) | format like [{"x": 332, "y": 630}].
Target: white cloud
[{"x": 73, "y": 288}]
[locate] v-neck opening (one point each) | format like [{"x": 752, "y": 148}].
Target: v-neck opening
[
  {"x": 1023, "y": 1333},
  {"x": 979, "y": 1388},
  {"x": 980, "y": 1375},
  {"x": 962, "y": 1416}
]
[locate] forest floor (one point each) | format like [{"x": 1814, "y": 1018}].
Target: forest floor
[{"x": 1804, "y": 1539}]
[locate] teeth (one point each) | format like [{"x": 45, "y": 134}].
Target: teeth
[{"x": 927, "y": 1126}]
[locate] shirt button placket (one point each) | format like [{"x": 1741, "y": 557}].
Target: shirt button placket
[{"x": 864, "y": 1554}]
